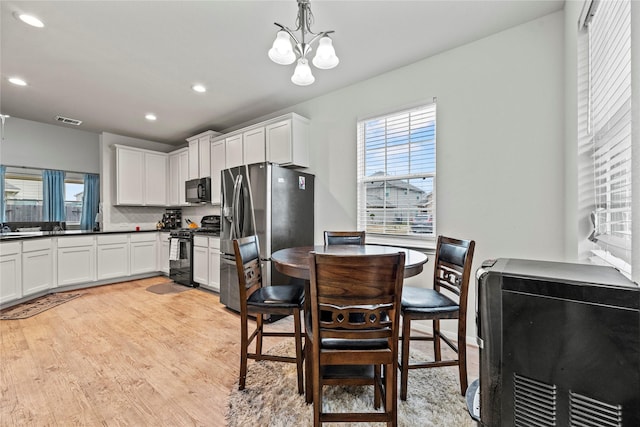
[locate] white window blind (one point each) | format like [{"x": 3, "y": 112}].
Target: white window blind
[
  {"x": 397, "y": 173},
  {"x": 609, "y": 128}
]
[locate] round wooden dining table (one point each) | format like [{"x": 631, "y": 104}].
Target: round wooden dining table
[{"x": 294, "y": 262}]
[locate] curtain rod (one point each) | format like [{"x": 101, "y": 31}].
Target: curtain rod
[{"x": 42, "y": 169}]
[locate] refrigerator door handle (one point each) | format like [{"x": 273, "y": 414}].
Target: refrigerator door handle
[{"x": 235, "y": 224}]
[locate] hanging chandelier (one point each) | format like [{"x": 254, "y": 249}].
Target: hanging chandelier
[{"x": 283, "y": 52}]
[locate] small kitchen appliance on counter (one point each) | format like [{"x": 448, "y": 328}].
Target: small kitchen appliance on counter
[{"x": 172, "y": 219}]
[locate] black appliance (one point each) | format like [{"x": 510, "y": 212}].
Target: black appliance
[
  {"x": 210, "y": 224},
  {"x": 172, "y": 219},
  {"x": 198, "y": 190},
  {"x": 273, "y": 202},
  {"x": 181, "y": 257},
  {"x": 559, "y": 345}
]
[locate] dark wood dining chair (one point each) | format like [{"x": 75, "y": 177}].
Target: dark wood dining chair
[
  {"x": 260, "y": 300},
  {"x": 447, "y": 300},
  {"x": 344, "y": 238},
  {"x": 355, "y": 308}
]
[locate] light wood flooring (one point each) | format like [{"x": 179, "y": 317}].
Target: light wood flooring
[{"x": 121, "y": 355}]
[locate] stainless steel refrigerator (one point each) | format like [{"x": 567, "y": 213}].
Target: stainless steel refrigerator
[{"x": 273, "y": 202}]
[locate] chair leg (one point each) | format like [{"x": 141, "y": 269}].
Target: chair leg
[
  {"x": 377, "y": 379},
  {"x": 299, "y": 355},
  {"x": 462, "y": 360},
  {"x": 390, "y": 389},
  {"x": 259, "y": 327},
  {"x": 308, "y": 369},
  {"x": 317, "y": 393},
  {"x": 437, "y": 347},
  {"x": 404, "y": 371},
  {"x": 244, "y": 344}
]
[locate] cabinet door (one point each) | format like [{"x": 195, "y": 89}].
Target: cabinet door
[
  {"x": 217, "y": 166},
  {"x": 194, "y": 163},
  {"x": 163, "y": 261},
  {"x": 214, "y": 270},
  {"x": 129, "y": 177},
  {"x": 174, "y": 179},
  {"x": 37, "y": 271},
  {"x": 204, "y": 156},
  {"x": 278, "y": 140},
  {"x": 143, "y": 257},
  {"x": 234, "y": 151},
  {"x": 184, "y": 176},
  {"x": 253, "y": 146},
  {"x": 76, "y": 265},
  {"x": 201, "y": 265},
  {"x": 155, "y": 179},
  {"x": 10, "y": 272},
  {"x": 113, "y": 261}
]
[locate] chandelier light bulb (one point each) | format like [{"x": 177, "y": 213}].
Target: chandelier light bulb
[
  {"x": 325, "y": 58},
  {"x": 302, "y": 75},
  {"x": 282, "y": 52}
]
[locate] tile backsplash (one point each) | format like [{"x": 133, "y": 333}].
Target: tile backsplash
[{"x": 146, "y": 217}]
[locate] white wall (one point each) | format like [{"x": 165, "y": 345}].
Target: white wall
[
  {"x": 45, "y": 146},
  {"x": 500, "y": 142}
]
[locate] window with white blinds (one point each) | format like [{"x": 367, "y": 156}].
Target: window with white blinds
[
  {"x": 397, "y": 173},
  {"x": 609, "y": 130}
]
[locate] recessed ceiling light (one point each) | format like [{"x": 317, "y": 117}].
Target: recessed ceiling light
[
  {"x": 29, "y": 19},
  {"x": 199, "y": 88},
  {"x": 151, "y": 117},
  {"x": 17, "y": 81}
]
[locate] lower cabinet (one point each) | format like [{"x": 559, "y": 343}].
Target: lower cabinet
[
  {"x": 76, "y": 260},
  {"x": 10, "y": 271},
  {"x": 163, "y": 253},
  {"x": 206, "y": 262},
  {"x": 201, "y": 260},
  {"x": 113, "y": 256},
  {"x": 37, "y": 266},
  {"x": 143, "y": 255}
]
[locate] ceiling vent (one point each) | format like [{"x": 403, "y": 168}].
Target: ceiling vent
[{"x": 68, "y": 121}]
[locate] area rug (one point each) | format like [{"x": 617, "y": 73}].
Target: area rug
[
  {"x": 36, "y": 306},
  {"x": 270, "y": 398},
  {"x": 168, "y": 288}
]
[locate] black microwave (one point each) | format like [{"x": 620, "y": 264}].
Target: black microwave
[{"x": 198, "y": 190}]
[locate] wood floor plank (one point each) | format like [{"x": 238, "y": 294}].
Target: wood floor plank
[{"x": 121, "y": 355}]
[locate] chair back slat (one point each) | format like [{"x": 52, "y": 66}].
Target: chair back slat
[
  {"x": 453, "y": 266},
  {"x": 248, "y": 265},
  {"x": 344, "y": 238}
]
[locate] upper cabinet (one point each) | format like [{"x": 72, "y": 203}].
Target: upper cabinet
[
  {"x": 234, "y": 154},
  {"x": 199, "y": 154},
  {"x": 141, "y": 177},
  {"x": 287, "y": 141},
  {"x": 253, "y": 148},
  {"x": 218, "y": 164},
  {"x": 178, "y": 174}
]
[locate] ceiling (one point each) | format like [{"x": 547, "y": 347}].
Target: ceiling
[{"x": 108, "y": 63}]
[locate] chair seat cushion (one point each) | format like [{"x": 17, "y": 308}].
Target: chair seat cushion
[
  {"x": 277, "y": 296},
  {"x": 354, "y": 344},
  {"x": 426, "y": 301}
]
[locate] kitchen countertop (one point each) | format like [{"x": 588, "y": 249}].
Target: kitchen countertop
[{"x": 19, "y": 235}]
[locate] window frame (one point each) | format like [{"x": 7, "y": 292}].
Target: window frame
[{"x": 410, "y": 238}]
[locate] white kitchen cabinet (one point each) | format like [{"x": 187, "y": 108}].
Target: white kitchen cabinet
[
  {"x": 143, "y": 256},
  {"x": 253, "y": 146},
  {"x": 287, "y": 141},
  {"x": 141, "y": 177},
  {"x": 163, "y": 253},
  {"x": 218, "y": 159},
  {"x": 214, "y": 264},
  {"x": 37, "y": 266},
  {"x": 201, "y": 260},
  {"x": 113, "y": 256},
  {"x": 156, "y": 174},
  {"x": 199, "y": 154},
  {"x": 10, "y": 271},
  {"x": 234, "y": 155},
  {"x": 129, "y": 176},
  {"x": 178, "y": 174},
  {"x": 76, "y": 260}
]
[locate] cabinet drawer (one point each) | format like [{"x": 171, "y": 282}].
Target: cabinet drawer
[
  {"x": 36, "y": 245},
  {"x": 9, "y": 248},
  {"x": 143, "y": 237},
  {"x": 214, "y": 243},
  {"x": 70, "y": 242},
  {"x": 200, "y": 241},
  {"x": 112, "y": 239}
]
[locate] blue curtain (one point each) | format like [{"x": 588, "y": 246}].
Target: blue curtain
[
  {"x": 53, "y": 195},
  {"x": 3, "y": 216},
  {"x": 90, "y": 201}
]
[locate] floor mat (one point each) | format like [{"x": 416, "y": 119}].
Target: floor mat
[
  {"x": 36, "y": 306},
  {"x": 168, "y": 288}
]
